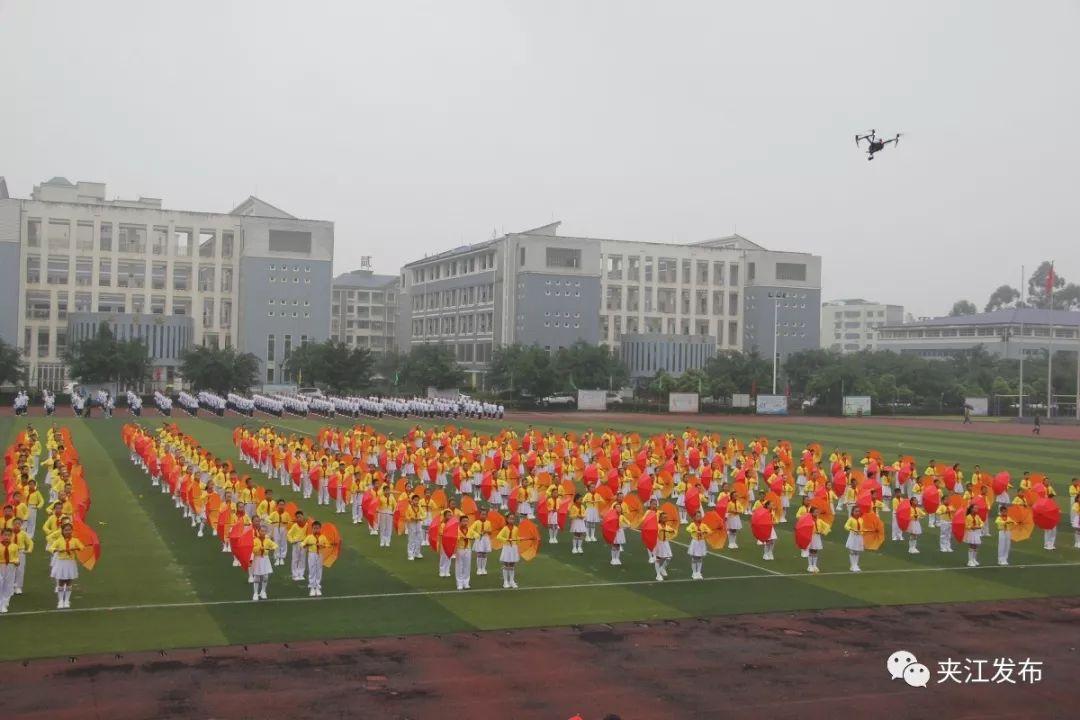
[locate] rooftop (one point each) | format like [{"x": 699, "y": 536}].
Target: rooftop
[
  {"x": 1008, "y": 316},
  {"x": 364, "y": 279}
]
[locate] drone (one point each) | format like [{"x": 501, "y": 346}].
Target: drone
[{"x": 874, "y": 144}]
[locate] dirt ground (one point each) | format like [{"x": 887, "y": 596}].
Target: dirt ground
[{"x": 792, "y": 665}]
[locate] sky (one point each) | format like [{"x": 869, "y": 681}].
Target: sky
[{"x": 419, "y": 126}]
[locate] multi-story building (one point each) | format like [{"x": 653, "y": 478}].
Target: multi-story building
[
  {"x": 239, "y": 279},
  {"x": 851, "y": 325},
  {"x": 1006, "y": 333},
  {"x": 539, "y": 287},
  {"x": 363, "y": 310}
]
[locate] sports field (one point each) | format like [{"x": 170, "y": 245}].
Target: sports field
[{"x": 157, "y": 586}]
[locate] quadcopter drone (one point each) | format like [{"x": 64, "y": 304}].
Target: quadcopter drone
[{"x": 874, "y": 144}]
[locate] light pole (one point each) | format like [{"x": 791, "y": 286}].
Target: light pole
[{"x": 776, "y": 332}]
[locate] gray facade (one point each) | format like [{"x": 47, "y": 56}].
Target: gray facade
[
  {"x": 798, "y": 319},
  {"x": 649, "y": 353},
  {"x": 555, "y": 311},
  {"x": 166, "y": 337},
  {"x": 10, "y": 264},
  {"x": 1009, "y": 333}
]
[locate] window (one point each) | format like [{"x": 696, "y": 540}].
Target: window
[
  {"x": 648, "y": 299},
  {"x": 84, "y": 271},
  {"x": 182, "y": 277},
  {"x": 702, "y": 327},
  {"x": 648, "y": 269},
  {"x": 269, "y": 374},
  {"x": 105, "y": 272},
  {"x": 33, "y": 232},
  {"x": 614, "y": 267},
  {"x": 718, "y": 302},
  {"x": 208, "y": 312},
  {"x": 686, "y": 269},
  {"x": 160, "y": 243},
  {"x": 733, "y": 333},
  {"x": 665, "y": 300},
  {"x": 38, "y": 305},
  {"x": 733, "y": 302},
  {"x": 61, "y": 342},
  {"x": 138, "y": 304},
  {"x": 614, "y": 297},
  {"x": 734, "y": 276},
  {"x": 632, "y": 299},
  {"x": 562, "y": 257},
  {"x": 33, "y": 269},
  {"x": 291, "y": 241},
  {"x": 751, "y": 272},
  {"x": 226, "y": 279},
  {"x": 157, "y": 304},
  {"x": 181, "y": 306},
  {"x": 182, "y": 240},
  {"x": 107, "y": 303},
  {"x": 226, "y": 314},
  {"x": 666, "y": 269},
  {"x": 522, "y": 262},
  {"x": 206, "y": 278},
  {"x": 59, "y": 235},
  {"x": 58, "y": 270},
  {"x": 791, "y": 271},
  {"x": 84, "y": 236},
  {"x": 43, "y": 342},
  {"x": 702, "y": 272},
  {"x": 207, "y": 241},
  {"x": 226, "y": 245},
  {"x": 159, "y": 274},
  {"x": 701, "y": 302},
  {"x": 718, "y": 273},
  {"x": 132, "y": 238},
  {"x": 105, "y": 237}
]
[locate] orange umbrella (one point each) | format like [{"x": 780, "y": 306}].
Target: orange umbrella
[
  {"x": 873, "y": 531},
  {"x": 606, "y": 496},
  {"x": 1024, "y": 524},
  {"x": 468, "y": 507},
  {"x": 775, "y": 505},
  {"x": 498, "y": 522},
  {"x": 528, "y": 540},
  {"x": 91, "y": 551},
  {"x": 671, "y": 513},
  {"x": 567, "y": 488},
  {"x": 438, "y": 499},
  {"x": 330, "y": 554},
  {"x": 956, "y": 502},
  {"x": 399, "y": 516},
  {"x": 633, "y": 509},
  {"x": 717, "y": 537},
  {"x": 825, "y": 511}
]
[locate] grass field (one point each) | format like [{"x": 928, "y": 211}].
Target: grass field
[{"x": 158, "y": 586}]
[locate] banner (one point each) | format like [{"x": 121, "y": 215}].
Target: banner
[
  {"x": 592, "y": 400},
  {"x": 740, "y": 400},
  {"x": 683, "y": 402},
  {"x": 856, "y": 405},
  {"x": 772, "y": 404}
]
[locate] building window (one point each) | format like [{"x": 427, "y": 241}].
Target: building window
[
  {"x": 206, "y": 278},
  {"x": 43, "y": 342},
  {"x": 84, "y": 271},
  {"x": 733, "y": 301},
  {"x": 563, "y": 257},
  {"x": 734, "y": 277},
  {"x": 667, "y": 269},
  {"x": 159, "y": 272},
  {"x": 132, "y": 238},
  {"x": 182, "y": 277},
  {"x": 718, "y": 302},
  {"x": 522, "y": 261},
  {"x": 269, "y": 375},
  {"x": 751, "y": 272},
  {"x": 614, "y": 297},
  {"x": 208, "y": 312},
  {"x": 633, "y": 299},
  {"x": 226, "y": 314},
  {"x": 207, "y": 241},
  {"x": 105, "y": 237},
  {"x": 226, "y": 245},
  {"x": 270, "y": 348},
  {"x": 614, "y": 267},
  {"x": 226, "y": 279},
  {"x": 182, "y": 241},
  {"x": 157, "y": 304},
  {"x": 790, "y": 271},
  {"x": 59, "y": 235},
  {"x": 686, "y": 270},
  {"x": 105, "y": 272},
  {"x": 160, "y": 243},
  {"x": 38, "y": 305},
  {"x": 84, "y": 236},
  {"x": 665, "y": 300},
  {"x": 58, "y": 270},
  {"x": 33, "y": 269},
  {"x": 33, "y": 234}
]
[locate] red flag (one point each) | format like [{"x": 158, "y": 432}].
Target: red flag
[{"x": 1050, "y": 286}]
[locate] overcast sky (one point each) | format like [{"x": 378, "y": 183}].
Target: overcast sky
[{"x": 418, "y": 126}]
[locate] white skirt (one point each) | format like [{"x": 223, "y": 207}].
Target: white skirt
[
  {"x": 815, "y": 542},
  {"x": 663, "y": 549},
  {"x": 577, "y": 525},
  {"x": 697, "y": 548},
  {"x": 525, "y": 508},
  {"x": 64, "y": 569},
  {"x": 261, "y": 565},
  {"x": 509, "y": 553},
  {"x": 915, "y": 528},
  {"x": 734, "y": 522},
  {"x": 973, "y": 537},
  {"x": 483, "y": 544},
  {"x": 592, "y": 515},
  {"x": 620, "y": 537},
  {"x": 854, "y": 542}
]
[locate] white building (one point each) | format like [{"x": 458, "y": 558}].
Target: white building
[
  {"x": 363, "y": 310},
  {"x": 850, "y": 325},
  {"x": 1006, "y": 333}
]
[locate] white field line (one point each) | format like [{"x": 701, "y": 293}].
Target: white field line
[{"x": 540, "y": 588}]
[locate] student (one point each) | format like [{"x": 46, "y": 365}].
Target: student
[
  {"x": 854, "y": 544},
  {"x": 467, "y": 535},
  {"x": 414, "y": 540},
  {"x": 620, "y": 535},
  {"x": 915, "y": 526},
  {"x": 577, "y": 525},
  {"x": 591, "y": 501},
  {"x": 9, "y": 567},
  {"x": 313, "y": 543},
  {"x": 1004, "y": 525},
  {"x": 1037, "y": 429},
  {"x": 34, "y": 502},
  {"x": 944, "y": 515},
  {"x": 25, "y": 543},
  {"x": 295, "y": 537},
  {"x": 768, "y": 545},
  {"x": 261, "y": 567},
  {"x": 1050, "y": 534},
  {"x": 385, "y": 518},
  {"x": 553, "y": 515},
  {"x": 973, "y": 534},
  {"x": 483, "y": 529},
  {"x": 444, "y": 558},
  {"x": 65, "y": 568},
  {"x": 821, "y": 528},
  {"x": 733, "y": 521},
  {"x": 698, "y": 531},
  {"x": 666, "y": 530},
  {"x": 279, "y": 519},
  {"x": 509, "y": 555}
]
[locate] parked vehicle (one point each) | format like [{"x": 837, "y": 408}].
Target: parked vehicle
[{"x": 558, "y": 401}]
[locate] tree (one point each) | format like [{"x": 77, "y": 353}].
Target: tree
[
  {"x": 963, "y": 307},
  {"x": 1004, "y": 297},
  {"x": 431, "y": 365},
  {"x": 591, "y": 367},
  {"x": 1066, "y": 295},
  {"x": 522, "y": 370},
  {"x": 220, "y": 370},
  {"x": 12, "y": 368},
  {"x": 102, "y": 358},
  {"x": 736, "y": 372},
  {"x": 332, "y": 364}
]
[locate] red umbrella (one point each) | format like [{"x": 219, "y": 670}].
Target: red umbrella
[
  {"x": 903, "y": 515},
  {"x": 486, "y": 485},
  {"x": 609, "y": 526},
  {"x": 721, "y": 507},
  {"x": 804, "y": 531},
  {"x": 864, "y": 502},
  {"x": 591, "y": 475},
  {"x": 650, "y": 531},
  {"x": 1000, "y": 483},
  {"x": 369, "y": 505},
  {"x": 958, "y": 525},
  {"x": 564, "y": 512},
  {"x": 839, "y": 483},
  {"x": 776, "y": 484},
  {"x": 241, "y": 544},
  {"x": 644, "y": 487},
  {"x": 433, "y": 535},
  {"x": 761, "y": 524},
  {"x": 450, "y": 538},
  {"x": 613, "y": 479},
  {"x": 931, "y": 498},
  {"x": 980, "y": 506},
  {"x": 1046, "y": 513},
  {"x": 693, "y": 500},
  {"x": 91, "y": 551}
]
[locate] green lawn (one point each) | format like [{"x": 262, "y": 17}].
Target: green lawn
[{"x": 158, "y": 586}]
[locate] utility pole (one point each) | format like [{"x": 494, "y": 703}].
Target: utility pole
[
  {"x": 1021, "y": 347},
  {"x": 1050, "y": 347},
  {"x": 776, "y": 334}
]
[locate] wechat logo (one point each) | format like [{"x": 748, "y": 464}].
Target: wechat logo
[{"x": 903, "y": 665}]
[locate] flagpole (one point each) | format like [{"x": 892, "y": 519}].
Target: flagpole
[
  {"x": 1050, "y": 345},
  {"x": 1021, "y": 344}
]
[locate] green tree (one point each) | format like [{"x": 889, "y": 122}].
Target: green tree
[
  {"x": 1066, "y": 295},
  {"x": 736, "y": 372},
  {"x": 332, "y": 364},
  {"x": 102, "y": 358},
  {"x": 963, "y": 307},
  {"x": 431, "y": 365},
  {"x": 521, "y": 370},
  {"x": 590, "y": 367},
  {"x": 1005, "y": 296},
  {"x": 12, "y": 368},
  {"x": 220, "y": 370}
]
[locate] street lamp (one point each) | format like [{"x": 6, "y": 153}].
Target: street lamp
[{"x": 776, "y": 296}]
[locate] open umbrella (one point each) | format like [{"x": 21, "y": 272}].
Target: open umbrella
[
  {"x": 633, "y": 509},
  {"x": 498, "y": 522},
  {"x": 873, "y": 531},
  {"x": 761, "y": 524},
  {"x": 650, "y": 531},
  {"x": 399, "y": 516},
  {"x": 1023, "y": 525},
  {"x": 931, "y": 498},
  {"x": 825, "y": 509},
  {"x": 438, "y": 499},
  {"x": 91, "y": 551},
  {"x": 717, "y": 536},
  {"x": 644, "y": 487},
  {"x": 528, "y": 540},
  {"x": 981, "y": 508},
  {"x": 241, "y": 543},
  {"x": 604, "y": 497},
  {"x": 956, "y": 502},
  {"x": 903, "y": 515},
  {"x": 804, "y": 531},
  {"x": 776, "y": 505},
  {"x": 468, "y": 507},
  {"x": 693, "y": 500},
  {"x": 487, "y": 485},
  {"x": 1046, "y": 513},
  {"x": 369, "y": 506},
  {"x": 1000, "y": 483},
  {"x": 671, "y": 513},
  {"x": 564, "y": 511},
  {"x": 433, "y": 536},
  {"x": 449, "y": 538},
  {"x": 330, "y": 554},
  {"x": 609, "y": 526},
  {"x": 958, "y": 525}
]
